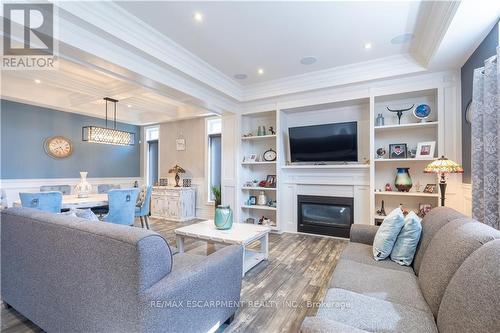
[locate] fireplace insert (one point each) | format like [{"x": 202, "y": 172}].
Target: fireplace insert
[{"x": 322, "y": 215}]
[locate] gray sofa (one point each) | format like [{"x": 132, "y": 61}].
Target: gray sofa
[
  {"x": 453, "y": 286},
  {"x": 67, "y": 274}
]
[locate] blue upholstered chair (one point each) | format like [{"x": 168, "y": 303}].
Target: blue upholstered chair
[
  {"x": 122, "y": 206},
  {"x": 47, "y": 201},
  {"x": 105, "y": 188},
  {"x": 142, "y": 211},
  {"x": 64, "y": 189}
]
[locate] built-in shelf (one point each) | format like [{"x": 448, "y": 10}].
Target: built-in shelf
[
  {"x": 403, "y": 159},
  {"x": 259, "y": 137},
  {"x": 406, "y": 126},
  {"x": 409, "y": 194},
  {"x": 260, "y": 207},
  {"x": 328, "y": 166},
  {"x": 258, "y": 188},
  {"x": 256, "y": 163}
]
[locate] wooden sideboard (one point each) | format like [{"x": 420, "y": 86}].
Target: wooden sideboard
[{"x": 173, "y": 203}]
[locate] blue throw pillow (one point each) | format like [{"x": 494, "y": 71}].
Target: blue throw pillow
[
  {"x": 407, "y": 241},
  {"x": 387, "y": 234}
]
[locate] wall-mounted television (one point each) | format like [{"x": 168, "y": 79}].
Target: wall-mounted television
[{"x": 337, "y": 142}]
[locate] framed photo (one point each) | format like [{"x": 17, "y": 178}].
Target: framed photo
[
  {"x": 250, "y": 158},
  {"x": 180, "y": 144},
  {"x": 430, "y": 188},
  {"x": 271, "y": 181},
  {"x": 252, "y": 200},
  {"x": 426, "y": 149},
  {"x": 423, "y": 209},
  {"x": 398, "y": 150}
]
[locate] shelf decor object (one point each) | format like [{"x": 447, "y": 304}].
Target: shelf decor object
[
  {"x": 403, "y": 180},
  {"x": 443, "y": 166},
  {"x": 422, "y": 112},
  {"x": 177, "y": 170},
  {"x": 399, "y": 112},
  {"x": 105, "y": 135}
]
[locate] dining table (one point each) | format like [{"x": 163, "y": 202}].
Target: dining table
[{"x": 73, "y": 201}]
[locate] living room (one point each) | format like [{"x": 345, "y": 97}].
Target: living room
[{"x": 250, "y": 166}]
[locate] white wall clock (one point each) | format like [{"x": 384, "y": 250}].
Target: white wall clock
[{"x": 58, "y": 147}]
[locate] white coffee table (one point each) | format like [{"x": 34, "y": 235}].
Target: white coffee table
[{"x": 241, "y": 233}]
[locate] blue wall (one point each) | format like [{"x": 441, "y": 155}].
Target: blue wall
[
  {"x": 486, "y": 49},
  {"x": 25, "y": 127}
]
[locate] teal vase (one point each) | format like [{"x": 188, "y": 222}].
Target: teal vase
[
  {"x": 403, "y": 180},
  {"x": 223, "y": 217}
]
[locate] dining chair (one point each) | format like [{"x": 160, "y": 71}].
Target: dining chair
[
  {"x": 142, "y": 210},
  {"x": 64, "y": 189},
  {"x": 46, "y": 201},
  {"x": 104, "y": 188},
  {"x": 122, "y": 206}
]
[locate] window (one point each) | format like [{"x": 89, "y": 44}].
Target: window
[
  {"x": 213, "y": 129},
  {"x": 152, "y": 151}
]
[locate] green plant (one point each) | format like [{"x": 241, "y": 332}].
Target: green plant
[{"x": 217, "y": 194}]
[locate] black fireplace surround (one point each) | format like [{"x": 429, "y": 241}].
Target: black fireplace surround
[{"x": 321, "y": 215}]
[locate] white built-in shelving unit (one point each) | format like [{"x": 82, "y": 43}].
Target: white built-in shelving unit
[{"x": 366, "y": 178}]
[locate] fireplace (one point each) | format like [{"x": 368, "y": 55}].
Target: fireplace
[{"x": 321, "y": 215}]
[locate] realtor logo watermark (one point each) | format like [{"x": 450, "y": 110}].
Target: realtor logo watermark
[{"x": 28, "y": 39}]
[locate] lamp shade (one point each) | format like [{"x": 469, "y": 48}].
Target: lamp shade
[
  {"x": 443, "y": 165},
  {"x": 176, "y": 169}
]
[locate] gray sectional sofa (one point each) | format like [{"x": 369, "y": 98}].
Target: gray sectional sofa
[
  {"x": 453, "y": 286},
  {"x": 67, "y": 274}
]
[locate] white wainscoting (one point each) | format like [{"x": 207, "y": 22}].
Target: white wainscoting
[{"x": 12, "y": 187}]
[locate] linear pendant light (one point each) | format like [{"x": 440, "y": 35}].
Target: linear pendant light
[{"x": 105, "y": 135}]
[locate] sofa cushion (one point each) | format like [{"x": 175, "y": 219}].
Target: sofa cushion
[
  {"x": 471, "y": 301},
  {"x": 386, "y": 284},
  {"x": 387, "y": 233},
  {"x": 373, "y": 314},
  {"x": 407, "y": 241},
  {"x": 453, "y": 243},
  {"x": 363, "y": 254},
  {"x": 431, "y": 223}
]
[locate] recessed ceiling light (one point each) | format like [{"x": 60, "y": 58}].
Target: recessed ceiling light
[
  {"x": 240, "y": 76},
  {"x": 368, "y": 46},
  {"x": 260, "y": 71},
  {"x": 129, "y": 106},
  {"x": 402, "y": 39},
  {"x": 198, "y": 16},
  {"x": 308, "y": 60},
  {"x": 37, "y": 81}
]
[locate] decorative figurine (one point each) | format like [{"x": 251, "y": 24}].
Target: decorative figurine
[
  {"x": 272, "y": 131},
  {"x": 381, "y": 211},
  {"x": 388, "y": 187},
  {"x": 399, "y": 112}
]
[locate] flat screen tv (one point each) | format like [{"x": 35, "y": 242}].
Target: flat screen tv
[{"x": 336, "y": 142}]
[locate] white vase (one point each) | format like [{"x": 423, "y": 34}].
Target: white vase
[
  {"x": 84, "y": 188},
  {"x": 262, "y": 199}
]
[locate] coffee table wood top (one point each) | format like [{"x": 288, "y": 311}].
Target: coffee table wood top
[{"x": 240, "y": 233}]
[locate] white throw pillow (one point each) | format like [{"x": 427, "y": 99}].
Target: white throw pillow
[
  {"x": 407, "y": 241},
  {"x": 387, "y": 234}
]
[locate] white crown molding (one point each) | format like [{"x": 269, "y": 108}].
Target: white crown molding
[
  {"x": 434, "y": 19},
  {"x": 141, "y": 36},
  {"x": 364, "y": 71}
]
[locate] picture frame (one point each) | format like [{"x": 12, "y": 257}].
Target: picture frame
[
  {"x": 430, "y": 188},
  {"x": 250, "y": 158},
  {"x": 252, "y": 200},
  {"x": 271, "y": 181},
  {"x": 423, "y": 209},
  {"x": 398, "y": 150},
  {"x": 425, "y": 150},
  {"x": 180, "y": 144}
]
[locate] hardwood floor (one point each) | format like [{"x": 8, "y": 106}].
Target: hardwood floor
[{"x": 276, "y": 294}]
